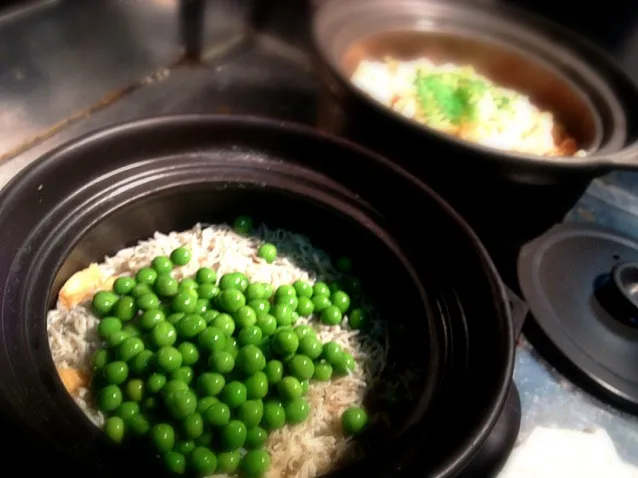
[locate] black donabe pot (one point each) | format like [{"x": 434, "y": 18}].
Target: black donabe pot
[
  {"x": 507, "y": 198},
  {"x": 109, "y": 189}
]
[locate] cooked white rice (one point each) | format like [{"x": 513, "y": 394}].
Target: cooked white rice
[
  {"x": 520, "y": 127},
  {"x": 303, "y": 451}
]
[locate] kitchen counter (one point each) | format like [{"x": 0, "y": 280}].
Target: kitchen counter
[{"x": 66, "y": 73}]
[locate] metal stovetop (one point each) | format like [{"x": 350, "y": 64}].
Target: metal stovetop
[{"x": 68, "y": 67}]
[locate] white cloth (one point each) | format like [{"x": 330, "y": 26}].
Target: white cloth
[{"x": 558, "y": 453}]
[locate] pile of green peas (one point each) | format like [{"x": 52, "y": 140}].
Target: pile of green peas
[{"x": 205, "y": 369}]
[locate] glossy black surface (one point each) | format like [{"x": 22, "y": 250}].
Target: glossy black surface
[
  {"x": 565, "y": 279},
  {"x": 206, "y": 167}
]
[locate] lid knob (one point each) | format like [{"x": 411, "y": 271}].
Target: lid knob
[{"x": 619, "y": 293}]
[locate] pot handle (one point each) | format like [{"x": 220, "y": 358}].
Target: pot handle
[{"x": 626, "y": 158}]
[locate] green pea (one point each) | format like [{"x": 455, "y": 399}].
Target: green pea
[
  {"x": 231, "y": 300},
  {"x": 217, "y": 415},
  {"x": 146, "y": 275},
  {"x": 284, "y": 291},
  {"x": 141, "y": 362},
  {"x": 301, "y": 366},
  {"x": 163, "y": 437},
  {"x": 168, "y": 358},
  {"x": 260, "y": 306},
  {"x": 108, "y": 325},
  {"x": 303, "y": 331},
  {"x": 274, "y": 415},
  {"x": 256, "y": 386},
  {"x": 320, "y": 288},
  {"x": 206, "y": 275},
  {"x": 163, "y": 335},
  {"x": 332, "y": 352},
  {"x": 225, "y": 323},
  {"x": 331, "y": 315},
  {"x": 149, "y": 405},
  {"x": 243, "y": 224},
  {"x": 274, "y": 371},
  {"x": 116, "y": 372},
  {"x": 210, "y": 384},
  {"x": 175, "y": 462},
  {"x": 203, "y": 461},
  {"x": 250, "y": 335},
  {"x": 321, "y": 302},
  {"x": 344, "y": 364},
  {"x": 233, "y": 435},
  {"x": 250, "y": 359},
  {"x": 255, "y": 463},
  {"x": 201, "y": 306},
  {"x": 283, "y": 314},
  {"x": 185, "y": 447},
  {"x": 357, "y": 319},
  {"x": 267, "y": 323},
  {"x": 166, "y": 286},
  {"x": 334, "y": 286},
  {"x": 353, "y": 285},
  {"x": 311, "y": 347},
  {"x": 234, "y": 394},
  {"x": 268, "y": 252},
  {"x": 323, "y": 372},
  {"x": 190, "y": 326},
  {"x": 251, "y": 412},
  {"x": 354, "y": 420},
  {"x": 100, "y": 359},
  {"x": 150, "y": 318},
  {"x": 193, "y": 426},
  {"x": 123, "y": 285},
  {"x": 295, "y": 317},
  {"x": 205, "y": 403},
  {"x": 148, "y": 301},
  {"x": 185, "y": 302},
  {"x": 297, "y": 410},
  {"x": 305, "y": 306},
  {"x": 344, "y": 264},
  {"x": 134, "y": 390},
  {"x": 188, "y": 285},
  {"x": 181, "y": 256},
  {"x": 181, "y": 403},
  {"x": 184, "y": 373},
  {"x": 232, "y": 347},
  {"x": 127, "y": 410},
  {"x": 341, "y": 301},
  {"x": 255, "y": 438},
  {"x": 155, "y": 382},
  {"x": 139, "y": 425},
  {"x": 302, "y": 288},
  {"x": 175, "y": 317},
  {"x": 305, "y": 386},
  {"x": 140, "y": 289},
  {"x": 189, "y": 352},
  {"x": 128, "y": 349},
  {"x": 207, "y": 291},
  {"x": 289, "y": 388},
  {"x": 233, "y": 280},
  {"x": 174, "y": 385},
  {"x": 114, "y": 429},
  {"x": 285, "y": 342},
  {"x": 206, "y": 440},
  {"x": 292, "y": 302},
  {"x": 109, "y": 398},
  {"x": 255, "y": 291},
  {"x": 104, "y": 302},
  {"x": 228, "y": 461},
  {"x": 162, "y": 264},
  {"x": 221, "y": 362},
  {"x": 116, "y": 338},
  {"x": 212, "y": 339},
  {"x": 131, "y": 330},
  {"x": 269, "y": 291}
]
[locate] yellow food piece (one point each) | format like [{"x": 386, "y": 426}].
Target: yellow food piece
[
  {"x": 73, "y": 379},
  {"x": 82, "y": 285}
]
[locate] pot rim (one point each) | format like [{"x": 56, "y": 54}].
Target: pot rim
[
  {"x": 598, "y": 161},
  {"x": 498, "y": 294}
]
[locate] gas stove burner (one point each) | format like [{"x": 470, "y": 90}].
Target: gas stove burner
[{"x": 581, "y": 285}]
